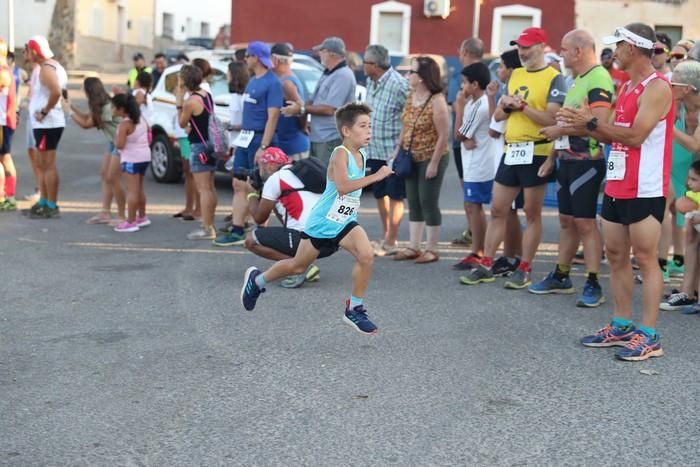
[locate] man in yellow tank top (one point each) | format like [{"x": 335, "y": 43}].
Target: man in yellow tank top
[{"x": 535, "y": 93}]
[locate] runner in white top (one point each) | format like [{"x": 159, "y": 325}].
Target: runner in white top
[{"x": 48, "y": 122}]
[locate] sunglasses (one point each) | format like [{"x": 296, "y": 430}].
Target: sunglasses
[
  {"x": 660, "y": 51},
  {"x": 684, "y": 85},
  {"x": 369, "y": 63},
  {"x": 678, "y": 56},
  {"x": 412, "y": 72}
]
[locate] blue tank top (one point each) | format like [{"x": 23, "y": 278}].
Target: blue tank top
[
  {"x": 291, "y": 138},
  {"x": 332, "y": 213}
]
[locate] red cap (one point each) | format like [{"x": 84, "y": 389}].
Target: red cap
[
  {"x": 273, "y": 155},
  {"x": 530, "y": 37}
]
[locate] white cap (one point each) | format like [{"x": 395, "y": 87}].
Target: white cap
[
  {"x": 624, "y": 34},
  {"x": 40, "y": 45}
]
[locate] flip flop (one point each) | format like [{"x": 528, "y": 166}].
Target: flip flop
[
  {"x": 427, "y": 257},
  {"x": 98, "y": 219},
  {"x": 179, "y": 214},
  {"x": 188, "y": 217}
]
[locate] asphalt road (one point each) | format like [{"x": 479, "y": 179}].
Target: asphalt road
[{"x": 134, "y": 350}]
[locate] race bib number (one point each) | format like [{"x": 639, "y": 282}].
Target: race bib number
[
  {"x": 562, "y": 143},
  {"x": 520, "y": 153},
  {"x": 344, "y": 207},
  {"x": 616, "y": 165},
  {"x": 244, "y": 138}
]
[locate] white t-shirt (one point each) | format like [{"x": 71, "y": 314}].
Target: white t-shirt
[
  {"x": 297, "y": 205},
  {"x": 147, "y": 107},
  {"x": 477, "y": 163},
  {"x": 235, "y": 115},
  {"x": 498, "y": 143}
]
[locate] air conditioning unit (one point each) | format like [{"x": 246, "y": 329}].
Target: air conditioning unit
[{"x": 436, "y": 8}]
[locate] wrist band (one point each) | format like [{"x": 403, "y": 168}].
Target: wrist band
[{"x": 252, "y": 195}]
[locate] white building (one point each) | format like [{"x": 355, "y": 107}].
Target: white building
[
  {"x": 177, "y": 20},
  {"x": 32, "y": 17}
]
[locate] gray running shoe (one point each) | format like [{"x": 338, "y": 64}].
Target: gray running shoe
[
  {"x": 477, "y": 276},
  {"x": 518, "y": 280}
]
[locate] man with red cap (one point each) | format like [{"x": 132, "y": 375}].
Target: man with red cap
[
  {"x": 285, "y": 194},
  {"x": 535, "y": 93},
  {"x": 48, "y": 121}
]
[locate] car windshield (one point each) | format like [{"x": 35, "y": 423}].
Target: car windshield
[{"x": 309, "y": 79}]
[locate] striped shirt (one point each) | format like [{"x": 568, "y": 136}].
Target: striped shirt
[{"x": 386, "y": 97}]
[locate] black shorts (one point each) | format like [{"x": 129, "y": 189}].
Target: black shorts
[
  {"x": 579, "y": 186},
  {"x": 457, "y": 152},
  {"x": 280, "y": 239},
  {"x": 394, "y": 187},
  {"x": 631, "y": 211},
  {"x": 524, "y": 176},
  {"x": 47, "y": 138},
  {"x": 6, "y": 140},
  {"x": 328, "y": 246}
]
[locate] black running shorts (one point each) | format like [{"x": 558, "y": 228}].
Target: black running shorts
[
  {"x": 328, "y": 246},
  {"x": 579, "y": 186},
  {"x": 631, "y": 211},
  {"x": 524, "y": 176}
]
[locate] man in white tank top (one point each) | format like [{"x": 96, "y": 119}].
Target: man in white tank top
[{"x": 48, "y": 121}]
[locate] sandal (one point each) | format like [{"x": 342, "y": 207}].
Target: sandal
[
  {"x": 428, "y": 256},
  {"x": 101, "y": 218},
  {"x": 407, "y": 254}
]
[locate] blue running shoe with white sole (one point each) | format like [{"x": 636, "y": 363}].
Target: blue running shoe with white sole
[
  {"x": 609, "y": 336},
  {"x": 250, "y": 290},
  {"x": 640, "y": 347},
  {"x": 591, "y": 297},
  {"x": 357, "y": 318},
  {"x": 692, "y": 309},
  {"x": 551, "y": 284}
]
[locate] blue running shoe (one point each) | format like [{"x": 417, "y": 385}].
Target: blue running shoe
[
  {"x": 551, "y": 284},
  {"x": 250, "y": 290},
  {"x": 609, "y": 336},
  {"x": 693, "y": 309},
  {"x": 592, "y": 296},
  {"x": 640, "y": 347},
  {"x": 357, "y": 318}
]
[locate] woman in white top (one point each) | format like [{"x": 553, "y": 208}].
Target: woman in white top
[
  {"x": 142, "y": 93},
  {"x": 238, "y": 77}
]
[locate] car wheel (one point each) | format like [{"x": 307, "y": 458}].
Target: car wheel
[{"x": 164, "y": 166}]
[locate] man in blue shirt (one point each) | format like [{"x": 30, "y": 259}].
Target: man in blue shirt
[{"x": 262, "y": 101}]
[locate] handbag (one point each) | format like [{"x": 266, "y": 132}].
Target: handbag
[{"x": 403, "y": 163}]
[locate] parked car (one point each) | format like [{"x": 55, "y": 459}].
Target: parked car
[{"x": 165, "y": 157}]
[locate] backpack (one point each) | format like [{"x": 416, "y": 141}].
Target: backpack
[
  {"x": 218, "y": 134},
  {"x": 312, "y": 174}
]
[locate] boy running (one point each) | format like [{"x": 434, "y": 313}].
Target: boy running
[{"x": 333, "y": 221}]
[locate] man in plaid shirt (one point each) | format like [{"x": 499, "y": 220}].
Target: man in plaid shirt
[{"x": 386, "y": 95}]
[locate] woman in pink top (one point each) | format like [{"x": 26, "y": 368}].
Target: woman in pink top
[{"x": 132, "y": 143}]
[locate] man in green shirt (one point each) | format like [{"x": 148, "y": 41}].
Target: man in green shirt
[
  {"x": 139, "y": 66},
  {"x": 581, "y": 171}
]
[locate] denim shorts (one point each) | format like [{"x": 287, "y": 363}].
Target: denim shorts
[
  {"x": 195, "y": 165},
  {"x": 112, "y": 149},
  {"x": 135, "y": 168}
]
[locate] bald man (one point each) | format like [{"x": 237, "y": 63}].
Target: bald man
[{"x": 581, "y": 171}]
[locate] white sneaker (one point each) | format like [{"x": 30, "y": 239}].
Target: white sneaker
[{"x": 205, "y": 233}]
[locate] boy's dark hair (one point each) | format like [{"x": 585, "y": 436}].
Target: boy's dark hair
[
  {"x": 511, "y": 59},
  {"x": 128, "y": 103},
  {"x": 346, "y": 116},
  {"x": 159, "y": 55},
  {"x": 477, "y": 72},
  {"x": 145, "y": 80},
  {"x": 696, "y": 166}
]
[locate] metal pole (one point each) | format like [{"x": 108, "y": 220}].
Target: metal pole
[
  {"x": 11, "y": 24},
  {"x": 477, "y": 13}
]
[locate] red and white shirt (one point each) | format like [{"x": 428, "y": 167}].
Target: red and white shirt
[
  {"x": 297, "y": 205},
  {"x": 648, "y": 167}
]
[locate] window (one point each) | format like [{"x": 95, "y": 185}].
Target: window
[
  {"x": 97, "y": 25},
  {"x": 146, "y": 32},
  {"x": 168, "y": 25},
  {"x": 674, "y": 32},
  {"x": 508, "y": 23},
  {"x": 204, "y": 30},
  {"x": 390, "y": 26}
]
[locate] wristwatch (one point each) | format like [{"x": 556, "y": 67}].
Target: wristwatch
[
  {"x": 302, "y": 109},
  {"x": 592, "y": 124},
  {"x": 264, "y": 146}
]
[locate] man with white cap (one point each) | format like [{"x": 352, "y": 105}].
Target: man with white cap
[
  {"x": 638, "y": 172},
  {"x": 335, "y": 89},
  {"x": 48, "y": 122}
]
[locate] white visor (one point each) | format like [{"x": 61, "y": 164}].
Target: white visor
[{"x": 623, "y": 34}]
